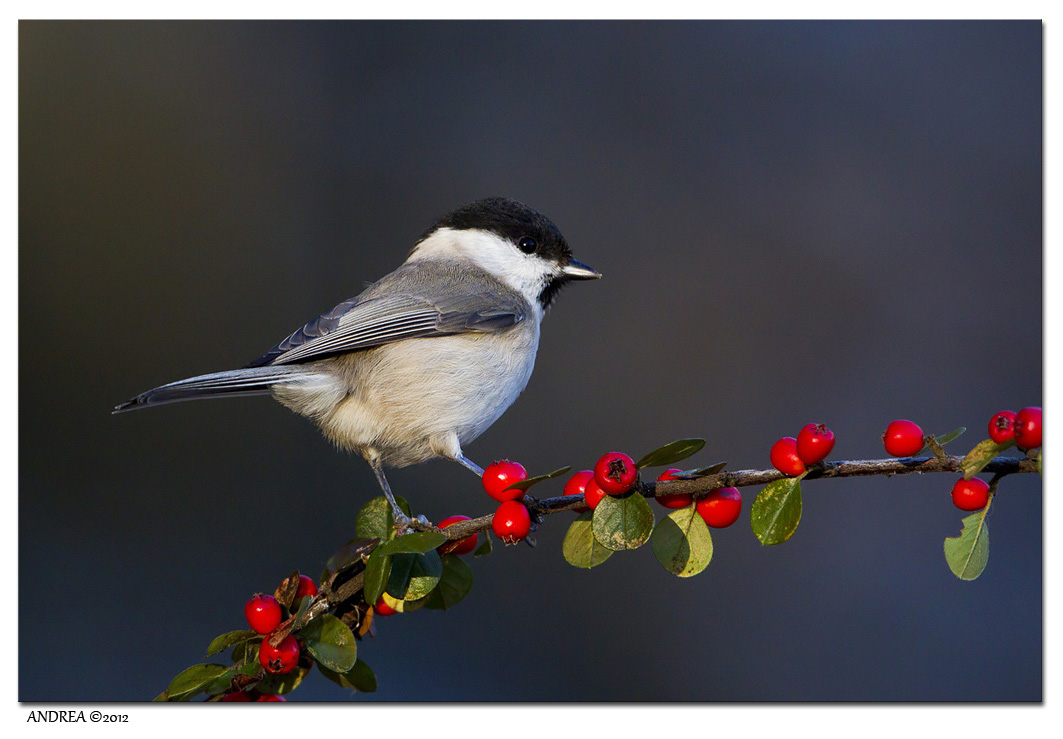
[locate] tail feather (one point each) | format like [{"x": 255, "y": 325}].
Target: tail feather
[{"x": 252, "y": 381}]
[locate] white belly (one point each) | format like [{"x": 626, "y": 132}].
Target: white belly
[{"x": 409, "y": 400}]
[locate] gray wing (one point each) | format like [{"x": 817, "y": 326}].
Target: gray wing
[{"x": 404, "y": 305}]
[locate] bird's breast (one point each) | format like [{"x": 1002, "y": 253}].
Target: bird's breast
[{"x": 399, "y": 397}]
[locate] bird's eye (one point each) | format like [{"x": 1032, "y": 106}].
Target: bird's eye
[{"x": 527, "y": 244}]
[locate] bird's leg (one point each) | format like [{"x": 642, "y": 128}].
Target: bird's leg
[
  {"x": 448, "y": 447},
  {"x": 402, "y": 521},
  {"x": 532, "y": 503},
  {"x": 469, "y": 465}
]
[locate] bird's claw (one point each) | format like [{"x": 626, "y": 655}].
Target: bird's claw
[{"x": 404, "y": 524}]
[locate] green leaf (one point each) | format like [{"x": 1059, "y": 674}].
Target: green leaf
[
  {"x": 622, "y": 523},
  {"x": 950, "y": 436},
  {"x": 375, "y": 520},
  {"x": 330, "y": 642},
  {"x": 251, "y": 668},
  {"x": 221, "y": 683},
  {"x": 223, "y": 642},
  {"x": 399, "y": 580},
  {"x": 580, "y": 547},
  {"x": 671, "y": 453},
  {"x": 247, "y": 651},
  {"x": 682, "y": 542},
  {"x": 193, "y": 680},
  {"x": 528, "y": 482},
  {"x": 359, "y": 677},
  {"x": 776, "y": 511},
  {"x": 968, "y": 553},
  {"x": 1038, "y": 458},
  {"x": 485, "y": 548},
  {"x": 413, "y": 576},
  {"x": 281, "y": 684},
  {"x": 362, "y": 677},
  {"x": 418, "y": 542},
  {"x": 983, "y": 453},
  {"x": 224, "y": 681},
  {"x": 694, "y": 474},
  {"x": 454, "y": 585},
  {"x": 304, "y": 604},
  {"x": 377, "y": 572}
]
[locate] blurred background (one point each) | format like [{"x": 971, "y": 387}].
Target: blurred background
[{"x": 797, "y": 222}]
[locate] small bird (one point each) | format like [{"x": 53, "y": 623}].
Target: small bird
[{"x": 424, "y": 360}]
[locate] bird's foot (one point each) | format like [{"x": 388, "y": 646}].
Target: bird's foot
[{"x": 405, "y": 525}]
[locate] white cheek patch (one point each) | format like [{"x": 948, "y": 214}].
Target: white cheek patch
[{"x": 525, "y": 273}]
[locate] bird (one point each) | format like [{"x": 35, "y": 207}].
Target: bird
[{"x": 425, "y": 359}]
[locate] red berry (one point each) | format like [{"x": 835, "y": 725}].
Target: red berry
[
  {"x": 1028, "y": 428},
  {"x": 237, "y": 697},
  {"x": 615, "y": 473},
  {"x": 784, "y": 457},
  {"x": 903, "y": 438},
  {"x": 306, "y": 587},
  {"x": 582, "y": 483},
  {"x": 280, "y": 659},
  {"x": 511, "y": 522},
  {"x": 270, "y": 698},
  {"x": 382, "y": 608},
  {"x": 577, "y": 484},
  {"x": 461, "y": 546},
  {"x": 263, "y": 613},
  {"x": 814, "y": 443},
  {"x": 500, "y": 475},
  {"x": 970, "y": 495},
  {"x": 592, "y": 494},
  {"x": 675, "y": 500},
  {"x": 720, "y": 508},
  {"x": 1002, "y": 427}
]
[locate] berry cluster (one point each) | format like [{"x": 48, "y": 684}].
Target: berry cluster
[
  {"x": 792, "y": 456},
  {"x": 616, "y": 473},
  {"x": 512, "y": 521},
  {"x": 904, "y": 438},
  {"x": 1024, "y": 428},
  {"x": 264, "y": 614}
]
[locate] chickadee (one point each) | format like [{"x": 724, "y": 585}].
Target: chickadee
[{"x": 428, "y": 357}]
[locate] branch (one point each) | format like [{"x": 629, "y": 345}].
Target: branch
[
  {"x": 1000, "y": 466},
  {"x": 682, "y": 551}
]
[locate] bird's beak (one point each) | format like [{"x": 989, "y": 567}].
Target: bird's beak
[{"x": 576, "y": 270}]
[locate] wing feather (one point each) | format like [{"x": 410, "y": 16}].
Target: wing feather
[{"x": 393, "y": 315}]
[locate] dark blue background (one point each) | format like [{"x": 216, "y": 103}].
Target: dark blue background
[{"x": 836, "y": 222}]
